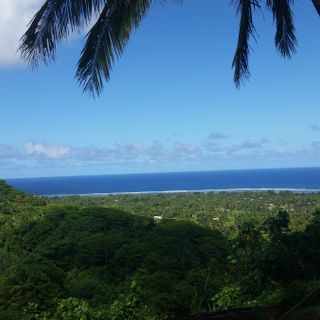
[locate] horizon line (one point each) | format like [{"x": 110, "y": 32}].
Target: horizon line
[{"x": 159, "y": 172}]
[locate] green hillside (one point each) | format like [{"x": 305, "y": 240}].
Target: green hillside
[{"x": 71, "y": 261}]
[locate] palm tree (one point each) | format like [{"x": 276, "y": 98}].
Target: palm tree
[{"x": 115, "y": 21}]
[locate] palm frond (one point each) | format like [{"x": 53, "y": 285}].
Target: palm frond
[
  {"x": 53, "y": 22},
  {"x": 285, "y": 39},
  {"x": 316, "y": 4},
  {"x": 106, "y": 41},
  {"x": 246, "y": 30}
]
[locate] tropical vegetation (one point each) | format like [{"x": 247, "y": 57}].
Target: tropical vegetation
[{"x": 86, "y": 258}]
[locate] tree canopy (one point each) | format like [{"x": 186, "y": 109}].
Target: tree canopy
[
  {"x": 86, "y": 258},
  {"x": 115, "y": 21}
]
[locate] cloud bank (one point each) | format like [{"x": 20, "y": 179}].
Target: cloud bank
[{"x": 157, "y": 155}]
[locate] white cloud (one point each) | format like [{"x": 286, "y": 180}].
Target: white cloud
[
  {"x": 248, "y": 145},
  {"x": 44, "y": 151},
  {"x": 185, "y": 148},
  {"x": 14, "y": 17},
  {"x": 156, "y": 150},
  {"x": 314, "y": 127},
  {"x": 217, "y": 136}
]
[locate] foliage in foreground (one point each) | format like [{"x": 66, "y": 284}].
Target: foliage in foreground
[{"x": 116, "y": 20}]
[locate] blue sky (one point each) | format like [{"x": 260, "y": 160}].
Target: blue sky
[{"x": 171, "y": 104}]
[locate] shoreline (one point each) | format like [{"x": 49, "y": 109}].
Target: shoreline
[{"x": 230, "y": 190}]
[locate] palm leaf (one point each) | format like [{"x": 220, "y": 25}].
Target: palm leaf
[
  {"x": 53, "y": 22},
  {"x": 106, "y": 41},
  {"x": 316, "y": 4},
  {"x": 241, "y": 58},
  {"x": 285, "y": 39}
]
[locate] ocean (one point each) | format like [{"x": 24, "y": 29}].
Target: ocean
[{"x": 297, "y": 179}]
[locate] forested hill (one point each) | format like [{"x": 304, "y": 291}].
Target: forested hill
[
  {"x": 13, "y": 201},
  {"x": 70, "y": 261},
  {"x": 9, "y": 193},
  {"x": 63, "y": 257}
]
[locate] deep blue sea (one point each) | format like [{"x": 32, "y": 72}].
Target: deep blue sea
[{"x": 299, "y": 179}]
